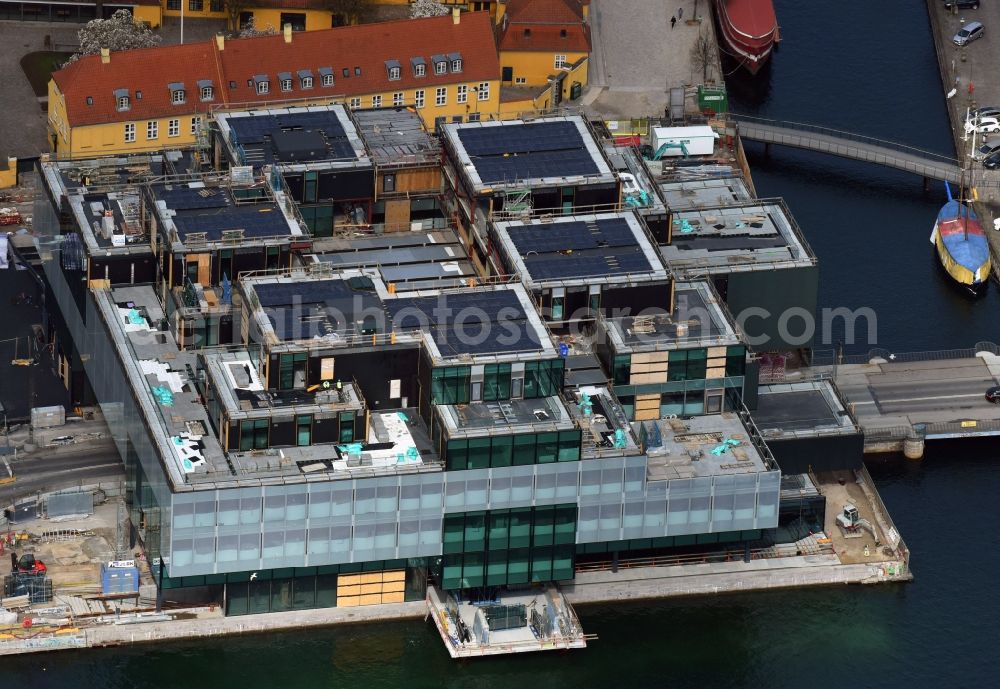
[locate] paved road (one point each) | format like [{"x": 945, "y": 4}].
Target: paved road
[
  {"x": 65, "y": 467},
  {"x": 919, "y": 392},
  {"x": 637, "y": 57}
]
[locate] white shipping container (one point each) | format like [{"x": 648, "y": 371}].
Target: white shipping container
[
  {"x": 48, "y": 417},
  {"x": 698, "y": 140}
]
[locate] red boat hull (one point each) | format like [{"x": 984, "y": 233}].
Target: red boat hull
[{"x": 748, "y": 29}]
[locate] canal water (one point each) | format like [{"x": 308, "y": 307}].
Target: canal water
[{"x": 857, "y": 65}]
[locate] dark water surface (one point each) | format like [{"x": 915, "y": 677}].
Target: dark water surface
[{"x": 839, "y": 66}]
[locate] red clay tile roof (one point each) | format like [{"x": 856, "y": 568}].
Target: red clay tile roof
[
  {"x": 367, "y": 46},
  {"x": 545, "y": 20}
]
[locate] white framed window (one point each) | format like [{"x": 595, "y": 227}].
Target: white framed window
[
  {"x": 441, "y": 96},
  {"x": 473, "y": 117},
  {"x": 263, "y": 87},
  {"x": 129, "y": 132},
  {"x": 355, "y": 103},
  {"x": 195, "y": 126},
  {"x": 560, "y": 61},
  {"x": 394, "y": 74},
  {"x": 520, "y": 80},
  {"x": 376, "y": 101},
  {"x": 286, "y": 84},
  {"x": 152, "y": 130},
  {"x": 207, "y": 93},
  {"x": 327, "y": 80},
  {"x": 456, "y": 65},
  {"x": 123, "y": 102},
  {"x": 173, "y": 127},
  {"x": 419, "y": 70},
  {"x": 418, "y": 98},
  {"x": 307, "y": 82},
  {"x": 177, "y": 97},
  {"x": 462, "y": 93},
  {"x": 397, "y": 98},
  {"x": 441, "y": 67},
  {"x": 484, "y": 90}
]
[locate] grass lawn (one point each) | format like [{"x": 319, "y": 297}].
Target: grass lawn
[{"x": 38, "y": 67}]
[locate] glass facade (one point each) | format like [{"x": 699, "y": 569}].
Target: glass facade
[
  {"x": 508, "y": 547},
  {"x": 513, "y": 450},
  {"x": 453, "y": 384}
]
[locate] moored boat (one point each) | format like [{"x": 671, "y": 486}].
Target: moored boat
[
  {"x": 961, "y": 244},
  {"x": 749, "y": 30}
]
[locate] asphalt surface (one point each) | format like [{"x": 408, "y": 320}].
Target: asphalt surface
[
  {"x": 919, "y": 392},
  {"x": 52, "y": 469}
]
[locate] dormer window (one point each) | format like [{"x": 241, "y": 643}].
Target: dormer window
[
  {"x": 326, "y": 76},
  {"x": 285, "y": 81},
  {"x": 90, "y": 100},
  {"x": 440, "y": 64},
  {"x": 177, "y": 93},
  {"x": 121, "y": 99},
  {"x": 205, "y": 89},
  {"x": 419, "y": 66},
  {"x": 262, "y": 84},
  {"x": 456, "y": 64},
  {"x": 357, "y": 71},
  {"x": 393, "y": 70},
  {"x": 346, "y": 72},
  {"x": 138, "y": 95},
  {"x": 305, "y": 79}
]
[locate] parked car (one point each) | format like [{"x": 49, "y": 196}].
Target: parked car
[
  {"x": 630, "y": 185},
  {"x": 986, "y": 111},
  {"x": 986, "y": 150},
  {"x": 993, "y": 161},
  {"x": 983, "y": 125},
  {"x": 962, "y": 4},
  {"x": 968, "y": 33},
  {"x": 993, "y": 394}
]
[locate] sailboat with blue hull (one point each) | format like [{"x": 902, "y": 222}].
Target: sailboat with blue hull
[{"x": 962, "y": 247}]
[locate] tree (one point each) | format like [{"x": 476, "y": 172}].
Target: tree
[
  {"x": 234, "y": 8},
  {"x": 250, "y": 30},
  {"x": 703, "y": 55},
  {"x": 349, "y": 11},
  {"x": 118, "y": 32},
  {"x": 428, "y": 8}
]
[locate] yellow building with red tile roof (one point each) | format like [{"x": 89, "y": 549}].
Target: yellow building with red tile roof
[{"x": 153, "y": 98}]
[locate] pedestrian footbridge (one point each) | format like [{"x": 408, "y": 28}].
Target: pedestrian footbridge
[{"x": 846, "y": 145}]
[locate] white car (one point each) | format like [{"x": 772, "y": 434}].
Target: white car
[
  {"x": 983, "y": 125},
  {"x": 630, "y": 185},
  {"x": 986, "y": 150}
]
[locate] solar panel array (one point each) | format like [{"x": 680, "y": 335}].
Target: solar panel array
[
  {"x": 579, "y": 249},
  {"x": 256, "y": 221},
  {"x": 527, "y": 151},
  {"x": 304, "y": 311},
  {"x": 181, "y": 197},
  {"x": 255, "y": 134},
  {"x": 475, "y": 322}
]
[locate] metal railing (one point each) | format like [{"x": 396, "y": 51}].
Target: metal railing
[
  {"x": 831, "y": 358},
  {"x": 935, "y": 158}
]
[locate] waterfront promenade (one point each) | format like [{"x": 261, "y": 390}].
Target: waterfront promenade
[{"x": 970, "y": 70}]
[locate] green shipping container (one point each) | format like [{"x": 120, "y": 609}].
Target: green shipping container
[{"x": 712, "y": 98}]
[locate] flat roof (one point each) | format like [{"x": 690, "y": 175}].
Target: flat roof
[
  {"x": 397, "y": 136},
  {"x": 109, "y": 222},
  {"x": 409, "y": 260},
  {"x": 241, "y": 392},
  {"x": 700, "y": 446},
  {"x": 215, "y": 208},
  {"x": 797, "y": 409},
  {"x": 592, "y": 249},
  {"x": 293, "y": 137},
  {"x": 505, "y": 418},
  {"x": 497, "y": 321},
  {"x": 736, "y": 238},
  {"x": 705, "y": 193},
  {"x": 698, "y": 320},
  {"x": 550, "y": 151}
]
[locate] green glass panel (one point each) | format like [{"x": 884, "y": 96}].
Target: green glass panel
[
  {"x": 475, "y": 532},
  {"x": 524, "y": 449},
  {"x": 453, "y": 533},
  {"x": 479, "y": 453},
  {"x": 458, "y": 455},
  {"x": 520, "y": 528},
  {"x": 565, "y": 524},
  {"x": 622, "y": 369},
  {"x": 544, "y": 526},
  {"x": 503, "y": 451},
  {"x": 496, "y": 571},
  {"x": 473, "y": 571},
  {"x": 499, "y": 530},
  {"x": 548, "y": 447},
  {"x": 569, "y": 445},
  {"x": 451, "y": 572},
  {"x": 541, "y": 564},
  {"x": 518, "y": 566}
]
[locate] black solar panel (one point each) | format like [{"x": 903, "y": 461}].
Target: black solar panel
[
  {"x": 527, "y": 151},
  {"x": 182, "y": 197},
  {"x": 298, "y": 311},
  {"x": 576, "y": 235},
  {"x": 469, "y": 323},
  {"x": 257, "y": 135},
  {"x": 255, "y": 221}
]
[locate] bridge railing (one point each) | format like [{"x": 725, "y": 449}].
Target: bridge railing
[
  {"x": 849, "y": 136},
  {"x": 941, "y": 429},
  {"x": 828, "y": 357}
]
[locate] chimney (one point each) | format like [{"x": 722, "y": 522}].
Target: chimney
[
  {"x": 220, "y": 41},
  {"x": 288, "y": 33},
  {"x": 456, "y": 15},
  {"x": 105, "y": 56}
]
